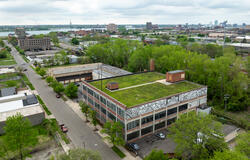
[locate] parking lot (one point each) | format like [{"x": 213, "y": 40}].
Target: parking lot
[{"x": 148, "y": 143}]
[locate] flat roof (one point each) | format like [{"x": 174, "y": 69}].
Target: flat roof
[
  {"x": 25, "y": 111},
  {"x": 144, "y": 87}
]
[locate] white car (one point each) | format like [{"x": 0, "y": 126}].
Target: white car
[{"x": 160, "y": 135}]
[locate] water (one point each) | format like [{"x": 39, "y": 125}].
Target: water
[{"x": 2, "y": 34}]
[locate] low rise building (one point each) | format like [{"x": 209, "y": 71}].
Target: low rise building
[
  {"x": 143, "y": 103},
  {"x": 112, "y": 27},
  {"x": 24, "y": 103}
]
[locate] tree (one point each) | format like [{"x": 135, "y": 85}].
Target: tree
[
  {"x": 71, "y": 90},
  {"x": 243, "y": 143},
  {"x": 49, "y": 79},
  {"x": 228, "y": 155},
  {"x": 75, "y": 41},
  {"x": 19, "y": 135},
  {"x": 156, "y": 155},
  {"x": 42, "y": 72},
  {"x": 114, "y": 133},
  {"x": 3, "y": 53},
  {"x": 196, "y": 136},
  {"x": 79, "y": 154},
  {"x": 3, "y": 150},
  {"x": 58, "y": 88},
  {"x": 93, "y": 118},
  {"x": 227, "y": 40},
  {"x": 85, "y": 109}
]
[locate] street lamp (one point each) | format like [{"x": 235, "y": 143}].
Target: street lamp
[{"x": 226, "y": 97}]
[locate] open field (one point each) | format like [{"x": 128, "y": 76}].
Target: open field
[{"x": 7, "y": 61}]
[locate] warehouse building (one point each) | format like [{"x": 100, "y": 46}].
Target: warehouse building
[
  {"x": 143, "y": 103},
  {"x": 79, "y": 73}
]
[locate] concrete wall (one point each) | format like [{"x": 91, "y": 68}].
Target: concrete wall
[{"x": 34, "y": 119}]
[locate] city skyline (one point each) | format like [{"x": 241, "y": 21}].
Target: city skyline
[{"x": 41, "y": 12}]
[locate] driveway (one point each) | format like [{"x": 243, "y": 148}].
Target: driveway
[{"x": 80, "y": 134}]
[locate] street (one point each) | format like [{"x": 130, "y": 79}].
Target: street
[{"x": 80, "y": 134}]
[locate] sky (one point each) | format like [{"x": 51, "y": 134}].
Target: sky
[{"x": 39, "y": 12}]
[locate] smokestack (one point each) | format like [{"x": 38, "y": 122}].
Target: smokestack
[{"x": 152, "y": 65}]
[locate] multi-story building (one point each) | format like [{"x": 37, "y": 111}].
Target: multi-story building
[
  {"x": 112, "y": 27},
  {"x": 143, "y": 103},
  {"x": 32, "y": 44},
  {"x": 149, "y": 26}
]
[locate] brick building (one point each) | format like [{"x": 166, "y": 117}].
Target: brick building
[
  {"x": 32, "y": 44},
  {"x": 143, "y": 103}
]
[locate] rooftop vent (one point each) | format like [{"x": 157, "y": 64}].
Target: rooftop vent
[
  {"x": 175, "y": 76},
  {"x": 112, "y": 85}
]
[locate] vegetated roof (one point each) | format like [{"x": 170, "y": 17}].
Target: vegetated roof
[
  {"x": 7, "y": 91},
  {"x": 141, "y": 88}
]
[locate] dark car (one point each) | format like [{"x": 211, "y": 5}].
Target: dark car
[
  {"x": 64, "y": 128},
  {"x": 58, "y": 96},
  {"x": 25, "y": 69},
  {"x": 133, "y": 146},
  {"x": 77, "y": 84}
]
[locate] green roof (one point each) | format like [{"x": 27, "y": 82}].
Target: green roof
[{"x": 147, "y": 90}]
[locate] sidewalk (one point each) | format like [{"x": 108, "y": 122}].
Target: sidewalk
[{"x": 76, "y": 108}]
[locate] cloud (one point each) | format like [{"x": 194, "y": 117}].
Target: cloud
[{"x": 122, "y": 11}]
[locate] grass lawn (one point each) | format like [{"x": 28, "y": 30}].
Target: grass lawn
[
  {"x": 7, "y": 61},
  {"x": 138, "y": 95},
  {"x": 8, "y": 75},
  {"x": 43, "y": 105},
  {"x": 12, "y": 83},
  {"x": 127, "y": 81},
  {"x": 118, "y": 152}
]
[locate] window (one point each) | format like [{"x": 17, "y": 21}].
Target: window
[
  {"x": 123, "y": 125},
  {"x": 133, "y": 124},
  {"x": 90, "y": 92},
  {"x": 172, "y": 111},
  {"x": 160, "y": 115},
  {"x": 183, "y": 107},
  {"x": 133, "y": 135},
  {"x": 160, "y": 125},
  {"x": 103, "y": 110},
  {"x": 147, "y": 119},
  {"x": 103, "y": 118},
  {"x": 90, "y": 101},
  {"x": 84, "y": 96},
  {"x": 103, "y": 100},
  {"x": 96, "y": 95},
  {"x": 146, "y": 130},
  {"x": 111, "y": 105},
  {"x": 170, "y": 121},
  {"x": 97, "y": 105},
  {"x": 111, "y": 116},
  {"x": 120, "y": 112}
]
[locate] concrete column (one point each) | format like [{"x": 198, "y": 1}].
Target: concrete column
[
  {"x": 140, "y": 127},
  {"x": 154, "y": 121},
  {"x": 125, "y": 130}
]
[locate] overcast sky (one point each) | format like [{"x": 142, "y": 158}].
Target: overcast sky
[{"x": 37, "y": 12}]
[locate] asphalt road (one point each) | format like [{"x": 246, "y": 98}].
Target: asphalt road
[{"x": 80, "y": 134}]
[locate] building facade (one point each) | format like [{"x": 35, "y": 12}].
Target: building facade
[
  {"x": 34, "y": 43},
  {"x": 146, "y": 118},
  {"x": 149, "y": 26},
  {"x": 112, "y": 27}
]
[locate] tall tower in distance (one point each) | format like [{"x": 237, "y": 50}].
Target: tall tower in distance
[{"x": 70, "y": 24}]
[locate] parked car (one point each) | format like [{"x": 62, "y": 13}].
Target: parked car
[
  {"x": 160, "y": 135},
  {"x": 133, "y": 146},
  {"x": 58, "y": 96},
  {"x": 64, "y": 128},
  {"x": 25, "y": 69}
]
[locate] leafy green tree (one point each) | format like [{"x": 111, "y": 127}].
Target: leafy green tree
[
  {"x": 196, "y": 136},
  {"x": 79, "y": 154},
  {"x": 114, "y": 133},
  {"x": 243, "y": 143},
  {"x": 42, "y": 72},
  {"x": 227, "y": 40},
  {"x": 37, "y": 69},
  {"x": 59, "y": 88},
  {"x": 228, "y": 155},
  {"x": 49, "y": 79},
  {"x": 3, "y": 53},
  {"x": 156, "y": 155},
  {"x": 19, "y": 135},
  {"x": 75, "y": 41},
  {"x": 71, "y": 90},
  {"x": 93, "y": 118},
  {"x": 85, "y": 109},
  {"x": 1, "y": 43},
  {"x": 3, "y": 150}
]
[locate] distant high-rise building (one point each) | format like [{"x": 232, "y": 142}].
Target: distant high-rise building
[
  {"x": 216, "y": 22},
  {"x": 70, "y": 24},
  {"x": 149, "y": 25},
  {"x": 112, "y": 27},
  {"x": 243, "y": 24}
]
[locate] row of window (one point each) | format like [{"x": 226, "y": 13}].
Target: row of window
[
  {"x": 103, "y": 100},
  {"x": 149, "y": 129}
]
